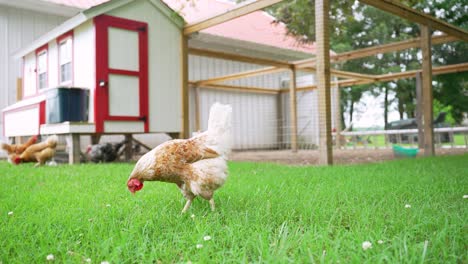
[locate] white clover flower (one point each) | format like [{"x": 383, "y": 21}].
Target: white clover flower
[
  {"x": 88, "y": 260},
  {"x": 50, "y": 257},
  {"x": 366, "y": 245},
  {"x": 380, "y": 241},
  {"x": 108, "y": 205},
  {"x": 407, "y": 205},
  {"x": 192, "y": 216},
  {"x": 10, "y": 213},
  {"x": 199, "y": 245},
  {"x": 465, "y": 196},
  {"x": 206, "y": 238},
  {"x": 105, "y": 262}
]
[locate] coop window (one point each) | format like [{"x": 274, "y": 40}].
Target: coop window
[
  {"x": 42, "y": 68},
  {"x": 65, "y": 44}
]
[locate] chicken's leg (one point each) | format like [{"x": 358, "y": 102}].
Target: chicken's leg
[
  {"x": 187, "y": 205},
  {"x": 212, "y": 204}
]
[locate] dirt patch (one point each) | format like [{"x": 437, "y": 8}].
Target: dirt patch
[{"x": 311, "y": 157}]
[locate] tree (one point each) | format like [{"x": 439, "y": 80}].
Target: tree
[{"x": 355, "y": 26}]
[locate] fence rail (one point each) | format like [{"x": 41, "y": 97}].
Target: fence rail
[{"x": 454, "y": 137}]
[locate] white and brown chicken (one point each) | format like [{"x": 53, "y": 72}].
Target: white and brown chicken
[{"x": 198, "y": 165}]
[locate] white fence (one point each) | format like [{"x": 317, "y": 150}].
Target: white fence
[{"x": 443, "y": 137}]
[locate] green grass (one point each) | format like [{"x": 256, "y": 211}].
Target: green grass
[{"x": 265, "y": 213}]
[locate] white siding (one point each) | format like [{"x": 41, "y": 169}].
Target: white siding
[
  {"x": 123, "y": 127},
  {"x": 255, "y": 116},
  {"x": 29, "y": 79},
  {"x": 84, "y": 61},
  {"x": 15, "y": 128},
  {"x": 17, "y": 29},
  {"x": 53, "y": 64},
  {"x": 165, "y": 77}
]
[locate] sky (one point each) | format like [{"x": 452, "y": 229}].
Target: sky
[{"x": 369, "y": 111}]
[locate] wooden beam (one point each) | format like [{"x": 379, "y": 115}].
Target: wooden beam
[
  {"x": 380, "y": 49},
  {"x": 408, "y": 13},
  {"x": 74, "y": 151},
  {"x": 128, "y": 147},
  {"x": 185, "y": 133},
  {"x": 337, "y": 126},
  {"x": 340, "y": 83},
  {"x": 293, "y": 109},
  {"x": 461, "y": 67},
  {"x": 234, "y": 88},
  {"x": 236, "y": 57},
  {"x": 322, "y": 8},
  {"x": 419, "y": 110},
  {"x": 427, "y": 91},
  {"x": 19, "y": 89},
  {"x": 197, "y": 108},
  {"x": 237, "y": 11},
  {"x": 353, "y": 75},
  {"x": 240, "y": 75},
  {"x": 345, "y": 74}
]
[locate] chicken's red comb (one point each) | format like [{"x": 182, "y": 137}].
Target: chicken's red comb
[
  {"x": 34, "y": 138},
  {"x": 17, "y": 160}
]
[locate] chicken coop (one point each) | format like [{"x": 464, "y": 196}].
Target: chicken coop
[
  {"x": 156, "y": 66},
  {"x": 121, "y": 59}
]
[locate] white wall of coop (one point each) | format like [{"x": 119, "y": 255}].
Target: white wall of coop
[
  {"x": 84, "y": 61},
  {"x": 164, "y": 72},
  {"x": 255, "y": 116},
  {"x": 18, "y": 28},
  {"x": 261, "y": 121}
]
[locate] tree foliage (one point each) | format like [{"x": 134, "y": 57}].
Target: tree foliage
[{"x": 354, "y": 26}]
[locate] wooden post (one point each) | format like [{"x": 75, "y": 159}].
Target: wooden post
[
  {"x": 323, "y": 81},
  {"x": 95, "y": 138},
  {"x": 427, "y": 91},
  {"x": 197, "y": 108},
  {"x": 19, "y": 89},
  {"x": 419, "y": 110},
  {"x": 128, "y": 147},
  {"x": 74, "y": 151},
  {"x": 280, "y": 120},
  {"x": 293, "y": 109},
  {"x": 337, "y": 97},
  {"x": 185, "y": 89}
]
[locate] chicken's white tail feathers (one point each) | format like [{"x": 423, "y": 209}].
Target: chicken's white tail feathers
[
  {"x": 52, "y": 141},
  {"x": 219, "y": 127}
]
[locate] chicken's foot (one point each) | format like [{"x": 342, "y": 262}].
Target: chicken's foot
[
  {"x": 212, "y": 204},
  {"x": 187, "y": 205}
]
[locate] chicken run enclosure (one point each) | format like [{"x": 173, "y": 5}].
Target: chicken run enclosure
[
  {"x": 261, "y": 110},
  {"x": 284, "y": 96}
]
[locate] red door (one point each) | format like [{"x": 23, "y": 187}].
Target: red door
[{"x": 121, "y": 73}]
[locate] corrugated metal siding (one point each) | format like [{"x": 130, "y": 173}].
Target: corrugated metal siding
[
  {"x": 17, "y": 29},
  {"x": 255, "y": 116}
]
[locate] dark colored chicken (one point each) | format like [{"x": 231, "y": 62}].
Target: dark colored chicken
[{"x": 105, "y": 152}]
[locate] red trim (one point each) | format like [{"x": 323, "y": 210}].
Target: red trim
[
  {"x": 123, "y": 72},
  {"x": 101, "y": 101},
  {"x": 123, "y": 118},
  {"x": 42, "y": 114},
  {"x": 60, "y": 39},
  {"x": 38, "y": 51}
]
